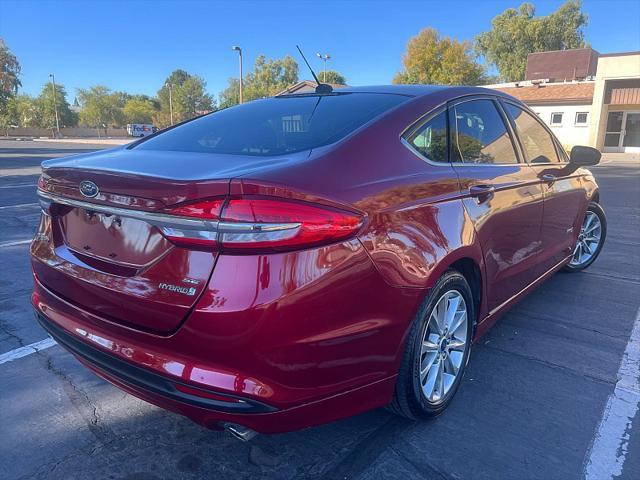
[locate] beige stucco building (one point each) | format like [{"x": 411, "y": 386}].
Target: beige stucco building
[{"x": 585, "y": 97}]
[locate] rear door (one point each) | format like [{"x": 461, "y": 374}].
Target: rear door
[
  {"x": 502, "y": 194},
  {"x": 564, "y": 197}
]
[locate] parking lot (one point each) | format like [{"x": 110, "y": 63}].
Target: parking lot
[{"x": 549, "y": 393}]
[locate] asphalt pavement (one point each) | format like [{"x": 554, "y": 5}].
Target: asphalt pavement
[{"x": 549, "y": 392}]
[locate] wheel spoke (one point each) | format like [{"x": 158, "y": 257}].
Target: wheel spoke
[
  {"x": 450, "y": 367},
  {"x": 438, "y": 385},
  {"x": 428, "y": 346},
  {"x": 434, "y": 322},
  {"x": 456, "y": 357},
  {"x": 452, "y": 309},
  {"x": 447, "y": 382},
  {"x": 592, "y": 228},
  {"x": 588, "y": 221},
  {"x": 456, "y": 343},
  {"x": 460, "y": 319},
  {"x": 427, "y": 364},
  {"x": 432, "y": 375}
]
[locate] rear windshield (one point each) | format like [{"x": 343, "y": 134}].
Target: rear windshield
[{"x": 276, "y": 126}]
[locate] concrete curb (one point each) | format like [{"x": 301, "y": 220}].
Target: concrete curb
[{"x": 92, "y": 141}]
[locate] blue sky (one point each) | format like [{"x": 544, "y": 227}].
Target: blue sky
[{"x": 134, "y": 45}]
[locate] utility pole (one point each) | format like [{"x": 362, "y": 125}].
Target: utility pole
[
  {"x": 55, "y": 104},
  {"x": 239, "y": 50},
  {"x": 170, "y": 101},
  {"x": 324, "y": 58}
]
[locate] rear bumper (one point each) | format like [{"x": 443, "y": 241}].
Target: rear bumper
[
  {"x": 214, "y": 413},
  {"x": 295, "y": 353},
  {"x": 137, "y": 378}
]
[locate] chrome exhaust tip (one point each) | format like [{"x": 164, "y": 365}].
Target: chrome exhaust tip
[{"x": 243, "y": 433}]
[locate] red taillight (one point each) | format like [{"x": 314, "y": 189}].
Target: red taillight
[
  {"x": 260, "y": 224},
  {"x": 198, "y": 225},
  {"x": 281, "y": 224},
  {"x": 209, "y": 209}
]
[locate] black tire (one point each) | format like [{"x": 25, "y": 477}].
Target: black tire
[
  {"x": 408, "y": 399},
  {"x": 597, "y": 209}
]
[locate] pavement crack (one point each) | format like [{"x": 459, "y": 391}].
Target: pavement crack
[
  {"x": 9, "y": 333},
  {"x": 365, "y": 452},
  {"x": 81, "y": 401},
  {"x": 420, "y": 467}
]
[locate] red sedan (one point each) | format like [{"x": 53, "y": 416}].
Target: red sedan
[{"x": 295, "y": 260}]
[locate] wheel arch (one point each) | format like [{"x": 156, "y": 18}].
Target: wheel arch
[{"x": 470, "y": 270}]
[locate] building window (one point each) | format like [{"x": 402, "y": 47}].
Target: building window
[
  {"x": 556, "y": 118},
  {"x": 581, "y": 118}
]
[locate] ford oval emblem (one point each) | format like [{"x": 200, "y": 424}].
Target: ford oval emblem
[{"x": 88, "y": 188}]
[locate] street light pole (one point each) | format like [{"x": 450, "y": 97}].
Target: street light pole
[
  {"x": 170, "y": 102},
  {"x": 324, "y": 58},
  {"x": 55, "y": 103},
  {"x": 239, "y": 50}
]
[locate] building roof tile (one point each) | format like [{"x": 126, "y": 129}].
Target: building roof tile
[{"x": 552, "y": 93}]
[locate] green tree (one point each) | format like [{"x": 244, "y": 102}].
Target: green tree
[
  {"x": 231, "y": 95},
  {"x": 46, "y": 105},
  {"x": 139, "y": 110},
  {"x": 516, "y": 33},
  {"x": 331, "y": 76},
  {"x": 9, "y": 75},
  {"x": 101, "y": 107},
  {"x": 27, "y": 111},
  {"x": 431, "y": 59},
  {"x": 188, "y": 98},
  {"x": 9, "y": 115},
  {"x": 269, "y": 77}
]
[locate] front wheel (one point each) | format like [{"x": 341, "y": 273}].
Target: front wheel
[
  {"x": 437, "y": 349},
  {"x": 590, "y": 240}
]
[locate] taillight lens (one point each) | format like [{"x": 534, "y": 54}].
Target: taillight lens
[
  {"x": 282, "y": 224},
  {"x": 209, "y": 209},
  {"x": 245, "y": 224},
  {"x": 199, "y": 227}
]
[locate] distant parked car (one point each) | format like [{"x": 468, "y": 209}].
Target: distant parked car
[
  {"x": 294, "y": 260},
  {"x": 140, "y": 129}
]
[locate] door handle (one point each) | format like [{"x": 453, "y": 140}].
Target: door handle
[
  {"x": 482, "y": 192},
  {"x": 547, "y": 177}
]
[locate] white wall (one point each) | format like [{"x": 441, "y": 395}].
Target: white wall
[{"x": 568, "y": 133}]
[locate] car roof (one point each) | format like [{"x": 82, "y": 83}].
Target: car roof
[{"x": 418, "y": 90}]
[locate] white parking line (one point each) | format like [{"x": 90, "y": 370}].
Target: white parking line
[
  {"x": 21, "y": 185},
  {"x": 611, "y": 442},
  {"x": 13, "y": 244},
  {"x": 19, "y": 205},
  {"x": 27, "y": 350}
]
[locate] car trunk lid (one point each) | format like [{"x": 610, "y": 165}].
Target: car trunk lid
[{"x": 108, "y": 254}]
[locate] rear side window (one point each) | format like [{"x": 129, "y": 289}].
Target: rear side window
[
  {"x": 480, "y": 135},
  {"x": 430, "y": 140},
  {"x": 276, "y": 126},
  {"x": 536, "y": 141}
]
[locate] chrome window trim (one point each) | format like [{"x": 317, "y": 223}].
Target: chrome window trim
[{"x": 413, "y": 127}]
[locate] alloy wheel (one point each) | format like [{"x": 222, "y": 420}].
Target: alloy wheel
[
  {"x": 588, "y": 240},
  {"x": 443, "y": 346}
]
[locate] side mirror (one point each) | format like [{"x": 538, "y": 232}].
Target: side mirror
[{"x": 584, "y": 156}]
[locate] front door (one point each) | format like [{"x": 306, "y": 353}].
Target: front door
[
  {"x": 623, "y": 132},
  {"x": 502, "y": 196}
]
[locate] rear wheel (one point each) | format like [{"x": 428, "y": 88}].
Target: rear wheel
[
  {"x": 590, "y": 240},
  {"x": 437, "y": 350}
]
